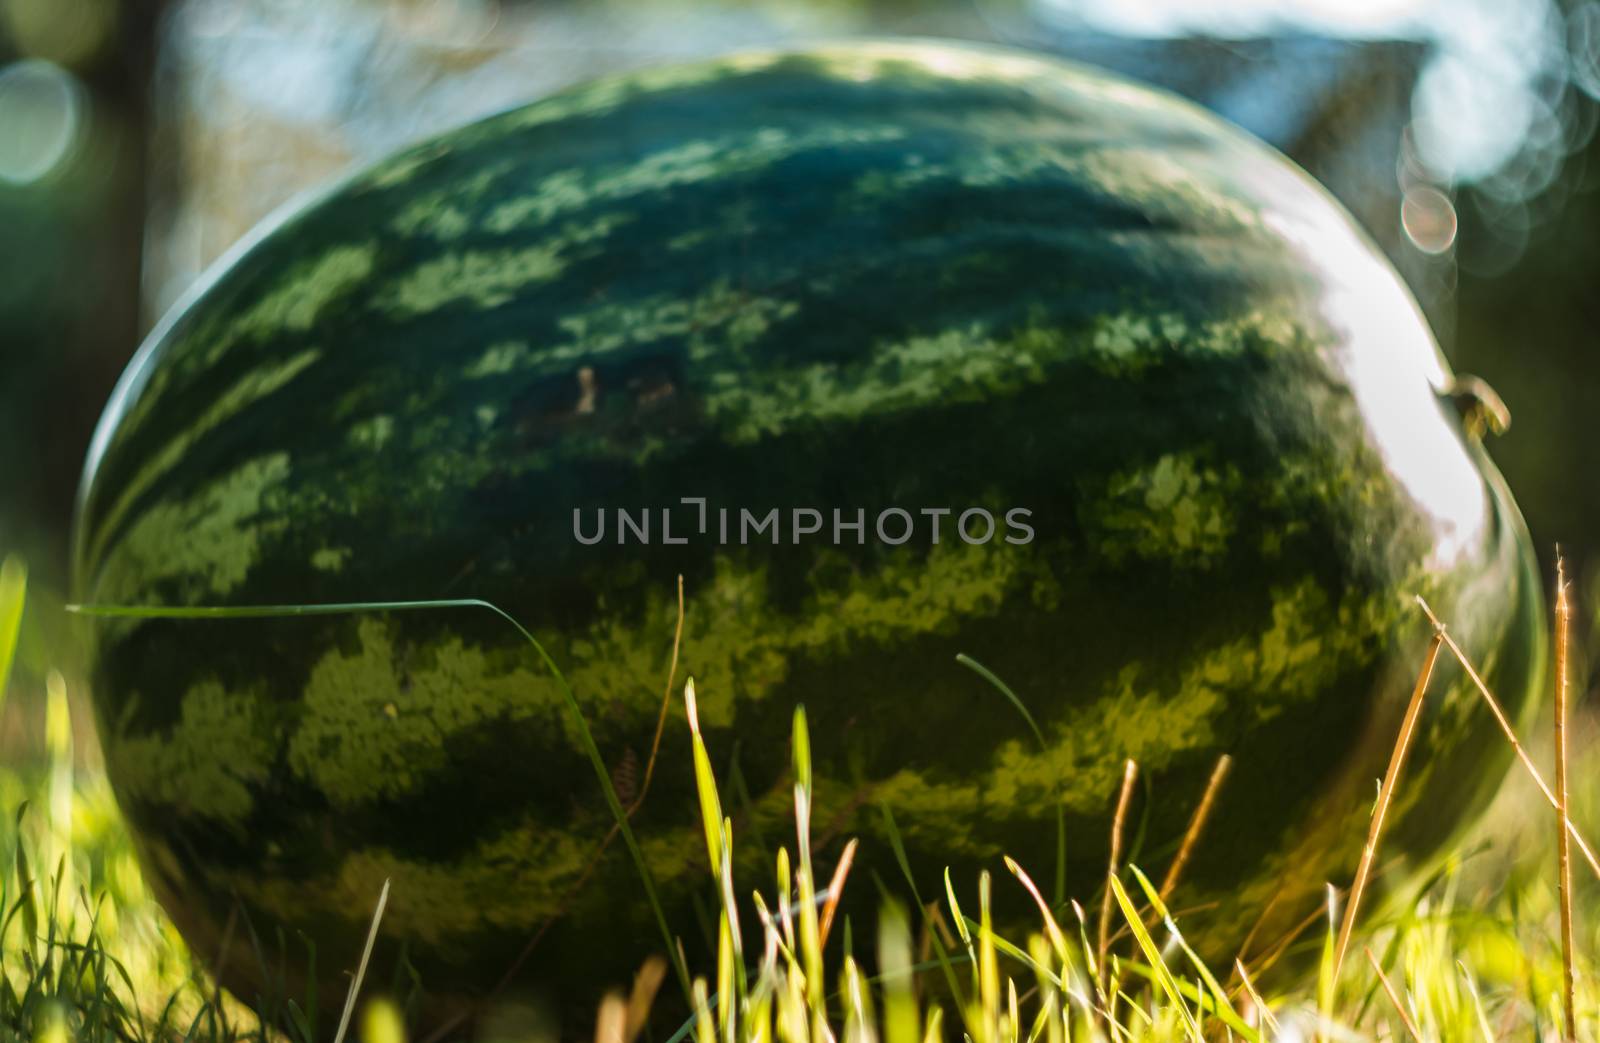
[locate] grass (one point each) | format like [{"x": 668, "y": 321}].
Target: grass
[{"x": 1497, "y": 946}]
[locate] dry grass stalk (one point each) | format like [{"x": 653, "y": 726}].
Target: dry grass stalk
[
  {"x": 361, "y": 968},
  {"x": 1268, "y": 1022},
  {"x": 612, "y": 1021},
  {"x": 1130, "y": 774},
  {"x": 1191, "y": 836},
  {"x": 1397, "y": 761},
  {"x": 645, "y": 986},
  {"x": 1271, "y": 954},
  {"x": 1274, "y": 952},
  {"x": 1511, "y": 737},
  {"x": 666, "y": 702},
  {"x": 836, "y": 889},
  {"x": 1255, "y": 928},
  {"x": 1394, "y": 997},
  {"x": 1563, "y": 840},
  {"x": 1186, "y": 847},
  {"x": 1052, "y": 929}
]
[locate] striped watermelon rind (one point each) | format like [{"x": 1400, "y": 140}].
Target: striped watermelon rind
[{"x": 866, "y": 276}]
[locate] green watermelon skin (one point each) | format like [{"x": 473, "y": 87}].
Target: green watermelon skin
[{"x": 866, "y": 276}]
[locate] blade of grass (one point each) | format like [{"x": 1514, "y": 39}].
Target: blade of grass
[
  {"x": 1130, "y": 774},
  {"x": 941, "y": 954},
  {"x": 1327, "y": 978},
  {"x": 705, "y": 1030},
  {"x": 1477, "y": 1003},
  {"x": 1220, "y": 1004},
  {"x": 1101, "y": 1005},
  {"x": 1199, "y": 995},
  {"x": 1268, "y": 1022},
  {"x": 58, "y": 747},
  {"x": 1394, "y": 997},
  {"x": 705, "y": 783},
  {"x": 841, "y": 872},
  {"x": 805, "y": 882},
  {"x": 785, "y": 905},
  {"x": 964, "y": 932},
  {"x": 894, "y": 960},
  {"x": 1058, "y": 940},
  {"x": 1563, "y": 841},
  {"x": 1152, "y": 955},
  {"x": 13, "y": 593},
  {"x": 1391, "y": 777},
  {"x": 769, "y": 924},
  {"x": 584, "y": 877},
  {"x": 1011, "y": 950},
  {"x": 1191, "y": 836},
  {"x": 361, "y": 968},
  {"x": 1373, "y": 989},
  {"x": 609, "y": 1024},
  {"x": 1274, "y": 952},
  {"x": 988, "y": 967},
  {"x": 1033, "y": 725},
  {"x": 731, "y": 980},
  {"x": 661, "y": 716},
  {"x": 1511, "y": 737},
  {"x": 1255, "y": 928},
  {"x": 737, "y": 984},
  {"x": 26, "y": 899}
]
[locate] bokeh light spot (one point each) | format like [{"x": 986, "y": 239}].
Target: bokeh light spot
[
  {"x": 1494, "y": 68},
  {"x": 1583, "y": 46},
  {"x": 66, "y": 31},
  {"x": 41, "y": 109},
  {"x": 1429, "y": 219}
]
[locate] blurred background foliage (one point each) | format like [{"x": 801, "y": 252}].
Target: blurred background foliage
[{"x": 140, "y": 138}]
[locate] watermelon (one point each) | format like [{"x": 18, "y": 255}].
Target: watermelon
[{"x": 893, "y": 352}]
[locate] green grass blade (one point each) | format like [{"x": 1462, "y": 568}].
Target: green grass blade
[
  {"x": 26, "y": 900},
  {"x": 1059, "y": 895},
  {"x": 897, "y": 845},
  {"x": 1199, "y": 996},
  {"x": 1327, "y": 973},
  {"x": 1220, "y": 1004},
  {"x": 988, "y": 963},
  {"x": 955, "y": 909},
  {"x": 1016, "y": 952},
  {"x": 1004, "y": 689},
  {"x": 13, "y": 593},
  {"x": 802, "y": 751},
  {"x": 900, "y": 1022},
  {"x": 1152, "y": 955},
  {"x": 705, "y": 781}
]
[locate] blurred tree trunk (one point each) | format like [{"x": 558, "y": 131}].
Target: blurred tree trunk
[{"x": 73, "y": 318}]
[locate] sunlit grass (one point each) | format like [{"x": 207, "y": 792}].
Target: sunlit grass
[
  {"x": 85, "y": 953},
  {"x": 13, "y": 592}
]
